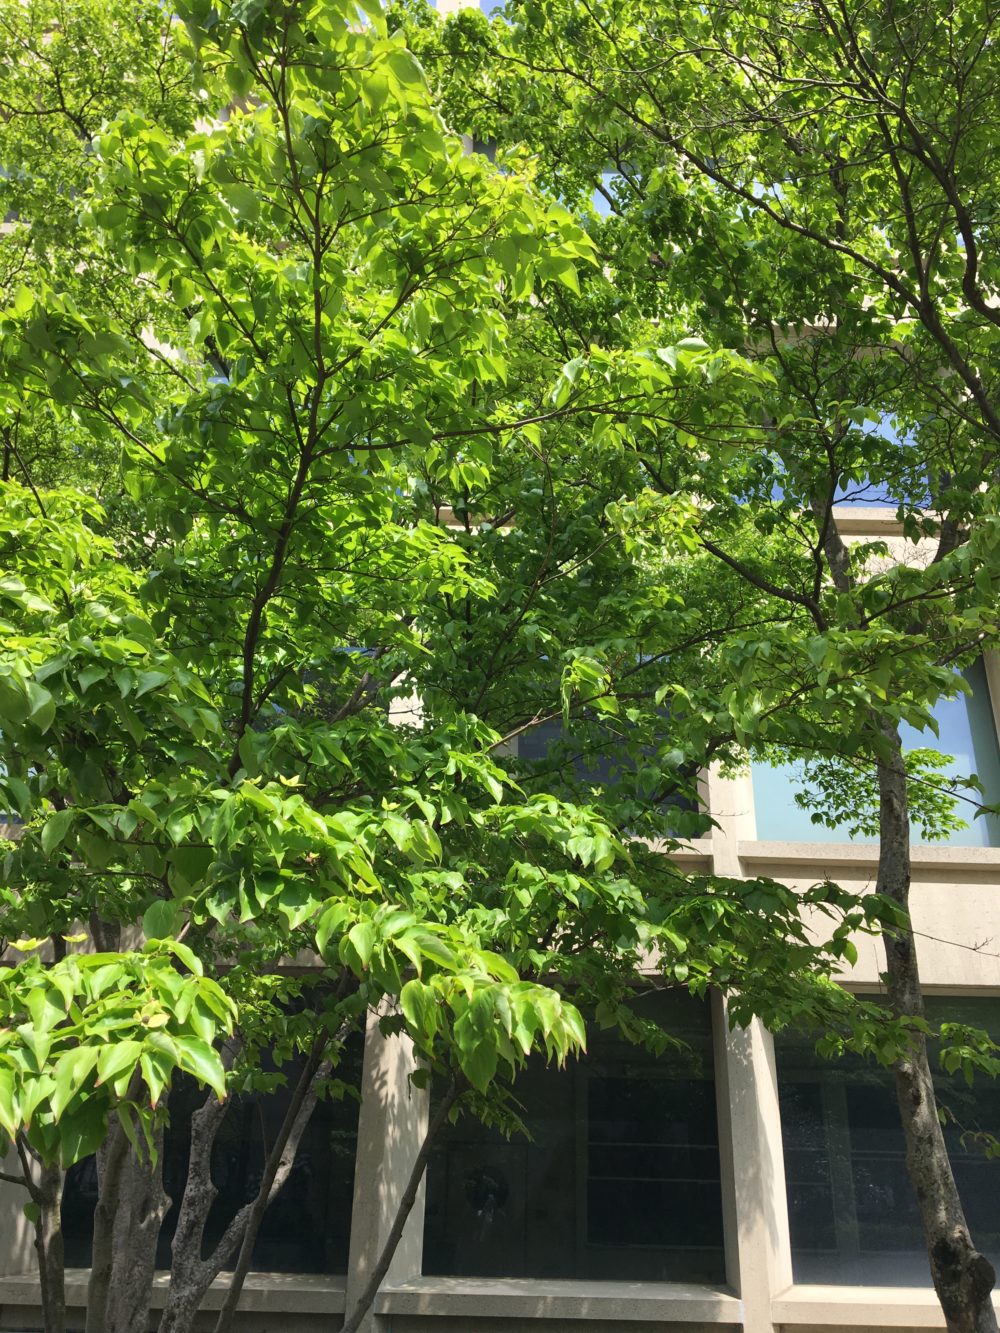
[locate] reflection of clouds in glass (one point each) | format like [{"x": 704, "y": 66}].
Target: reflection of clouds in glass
[{"x": 967, "y": 734}]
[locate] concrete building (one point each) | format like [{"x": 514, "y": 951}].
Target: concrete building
[{"x": 743, "y": 1183}]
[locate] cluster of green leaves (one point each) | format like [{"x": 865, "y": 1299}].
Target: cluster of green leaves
[
  {"x": 95, "y": 1035},
  {"x": 69, "y": 66}
]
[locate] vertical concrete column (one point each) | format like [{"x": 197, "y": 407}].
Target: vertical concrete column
[
  {"x": 755, "y": 1212},
  {"x": 391, "y": 1128},
  {"x": 17, "y": 1254},
  {"x": 730, "y": 803}
]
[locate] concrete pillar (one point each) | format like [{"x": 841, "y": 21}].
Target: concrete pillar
[
  {"x": 991, "y": 665},
  {"x": 730, "y": 803},
  {"x": 755, "y": 1210},
  {"x": 391, "y": 1128},
  {"x": 17, "y": 1254}
]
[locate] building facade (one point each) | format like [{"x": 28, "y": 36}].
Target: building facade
[{"x": 741, "y": 1182}]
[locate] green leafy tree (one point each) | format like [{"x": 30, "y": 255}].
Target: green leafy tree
[
  {"x": 362, "y": 459},
  {"x": 809, "y": 186},
  {"x": 69, "y": 68}
]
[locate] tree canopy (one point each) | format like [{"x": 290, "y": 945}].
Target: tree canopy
[{"x": 338, "y": 459}]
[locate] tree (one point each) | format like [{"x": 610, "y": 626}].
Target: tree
[
  {"x": 810, "y": 186},
  {"x": 356, "y": 464},
  {"x": 70, "y": 65}
]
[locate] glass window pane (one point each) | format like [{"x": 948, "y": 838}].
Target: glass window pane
[
  {"x": 851, "y": 1208},
  {"x": 619, "y": 1179},
  {"x": 307, "y": 1227},
  {"x": 967, "y": 733},
  {"x": 560, "y": 759}
]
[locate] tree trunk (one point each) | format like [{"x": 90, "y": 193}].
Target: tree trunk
[
  {"x": 277, "y": 1169},
  {"x": 130, "y": 1208},
  {"x": 110, "y": 1166},
  {"x": 963, "y": 1278},
  {"x": 142, "y": 1206},
  {"x": 45, "y": 1188},
  {"x": 47, "y": 1195},
  {"x": 190, "y": 1274}
]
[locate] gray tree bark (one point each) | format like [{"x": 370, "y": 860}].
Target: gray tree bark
[
  {"x": 45, "y": 1188},
  {"x": 142, "y": 1206},
  {"x": 131, "y": 1206},
  {"x": 963, "y": 1278},
  {"x": 191, "y": 1275}
]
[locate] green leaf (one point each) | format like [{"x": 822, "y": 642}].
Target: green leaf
[
  {"x": 362, "y": 937},
  {"x": 243, "y": 200},
  {"x": 419, "y": 1005},
  {"x": 405, "y": 68},
  {"x": 118, "y": 1061},
  {"x": 24, "y": 300},
  {"x": 202, "y": 1061},
  {"x": 150, "y": 680},
  {"x": 161, "y": 919},
  {"x": 69, "y": 1075},
  {"x": 55, "y": 829},
  {"x": 41, "y": 706},
  {"x": 10, "y": 1118}
]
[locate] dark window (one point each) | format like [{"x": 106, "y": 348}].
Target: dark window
[
  {"x": 486, "y": 147},
  {"x": 562, "y": 761},
  {"x": 851, "y": 1207},
  {"x": 307, "y": 1227},
  {"x": 619, "y": 1179}
]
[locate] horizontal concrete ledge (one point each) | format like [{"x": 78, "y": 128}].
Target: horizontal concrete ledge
[
  {"x": 526, "y": 1298},
  {"x": 288, "y": 1293},
  {"x": 866, "y": 521},
  {"x": 856, "y": 854},
  {"x": 694, "y": 851},
  {"x": 860, "y": 1307}
]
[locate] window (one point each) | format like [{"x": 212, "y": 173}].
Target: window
[
  {"x": 852, "y": 1212},
  {"x": 307, "y": 1227},
  {"x": 619, "y": 1179},
  {"x": 562, "y": 761},
  {"x": 967, "y": 734}
]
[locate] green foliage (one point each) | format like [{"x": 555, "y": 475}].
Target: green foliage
[
  {"x": 392, "y": 424},
  {"x": 841, "y": 795},
  {"x": 326, "y": 382},
  {"x": 97, "y": 1034}
]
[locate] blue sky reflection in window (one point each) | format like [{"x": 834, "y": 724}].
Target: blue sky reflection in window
[{"x": 967, "y": 736}]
